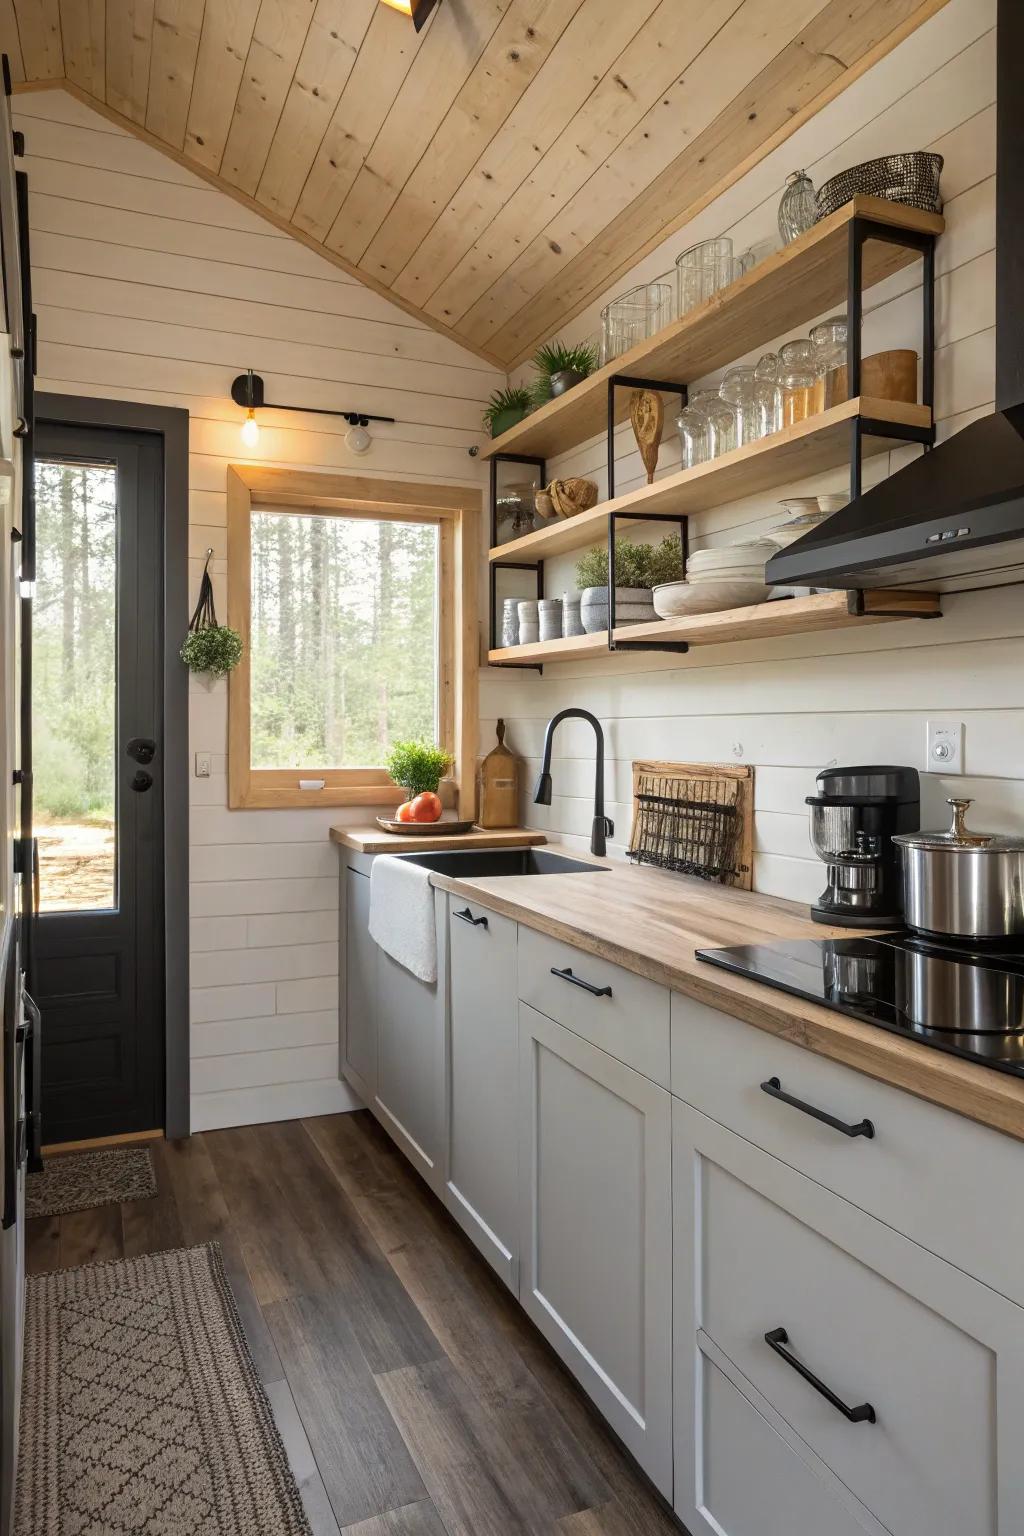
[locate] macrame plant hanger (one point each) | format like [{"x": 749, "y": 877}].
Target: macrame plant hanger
[{"x": 205, "y": 615}]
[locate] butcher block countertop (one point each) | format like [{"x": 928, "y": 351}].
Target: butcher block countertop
[
  {"x": 653, "y": 922},
  {"x": 376, "y": 840}
]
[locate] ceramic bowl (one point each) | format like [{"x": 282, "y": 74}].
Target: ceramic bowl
[
  {"x": 833, "y": 503},
  {"x": 677, "y": 599},
  {"x": 753, "y": 573},
  {"x": 795, "y": 505},
  {"x": 730, "y": 557}
]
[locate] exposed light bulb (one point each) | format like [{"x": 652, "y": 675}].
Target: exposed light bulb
[
  {"x": 250, "y": 429},
  {"x": 358, "y": 440}
]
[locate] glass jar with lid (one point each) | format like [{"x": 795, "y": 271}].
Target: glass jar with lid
[
  {"x": 828, "y": 344},
  {"x": 737, "y": 390},
  {"x": 720, "y": 421},
  {"x": 796, "y": 377},
  {"x": 768, "y": 394},
  {"x": 692, "y": 426}
]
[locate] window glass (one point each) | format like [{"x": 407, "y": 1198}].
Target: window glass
[{"x": 344, "y": 653}]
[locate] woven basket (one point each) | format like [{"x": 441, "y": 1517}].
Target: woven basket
[{"x": 912, "y": 179}]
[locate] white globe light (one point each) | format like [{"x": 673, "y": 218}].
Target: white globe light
[{"x": 358, "y": 439}]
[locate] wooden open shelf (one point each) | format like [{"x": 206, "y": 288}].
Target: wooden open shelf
[
  {"x": 784, "y": 616},
  {"x": 784, "y": 291},
  {"x": 809, "y": 448}
]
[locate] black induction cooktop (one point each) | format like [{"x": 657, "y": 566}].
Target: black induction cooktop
[{"x": 968, "y": 1001}]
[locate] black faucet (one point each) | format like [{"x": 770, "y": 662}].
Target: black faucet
[{"x": 601, "y": 827}]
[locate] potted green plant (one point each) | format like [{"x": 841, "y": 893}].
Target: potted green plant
[
  {"x": 506, "y": 407},
  {"x": 418, "y": 766},
  {"x": 210, "y": 647},
  {"x": 638, "y": 569},
  {"x": 560, "y": 367}
]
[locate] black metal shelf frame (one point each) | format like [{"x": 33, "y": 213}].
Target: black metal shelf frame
[
  {"x": 537, "y": 566},
  {"x": 861, "y": 229}
]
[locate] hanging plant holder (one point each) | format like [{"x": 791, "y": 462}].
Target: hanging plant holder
[{"x": 209, "y": 646}]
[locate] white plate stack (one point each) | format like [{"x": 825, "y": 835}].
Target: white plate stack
[{"x": 726, "y": 576}]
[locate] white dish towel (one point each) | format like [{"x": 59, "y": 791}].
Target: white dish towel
[{"x": 402, "y": 914}]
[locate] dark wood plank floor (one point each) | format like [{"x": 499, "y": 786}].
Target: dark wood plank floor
[{"x": 413, "y": 1396}]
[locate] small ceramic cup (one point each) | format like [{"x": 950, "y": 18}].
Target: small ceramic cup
[
  {"x": 549, "y": 611},
  {"x": 529, "y": 630},
  {"x": 510, "y": 621}
]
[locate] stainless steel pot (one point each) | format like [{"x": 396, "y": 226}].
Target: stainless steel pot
[{"x": 963, "y": 884}]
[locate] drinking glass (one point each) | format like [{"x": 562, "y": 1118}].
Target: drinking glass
[
  {"x": 701, "y": 271},
  {"x": 692, "y": 426},
  {"x": 721, "y": 423},
  {"x": 634, "y": 317}
]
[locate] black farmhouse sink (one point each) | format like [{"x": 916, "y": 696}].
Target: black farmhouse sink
[{"x": 484, "y": 863}]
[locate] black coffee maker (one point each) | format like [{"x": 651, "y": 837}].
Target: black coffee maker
[{"x": 853, "y": 818}]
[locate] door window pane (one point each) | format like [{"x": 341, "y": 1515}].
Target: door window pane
[
  {"x": 74, "y": 649},
  {"x": 343, "y": 639}
]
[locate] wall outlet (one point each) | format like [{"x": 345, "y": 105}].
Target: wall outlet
[
  {"x": 945, "y": 746},
  {"x": 202, "y": 765}
]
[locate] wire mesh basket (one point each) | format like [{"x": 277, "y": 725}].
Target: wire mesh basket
[
  {"x": 695, "y": 819},
  {"x": 911, "y": 178}
]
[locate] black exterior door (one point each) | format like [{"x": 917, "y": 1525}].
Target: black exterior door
[{"x": 97, "y": 780}]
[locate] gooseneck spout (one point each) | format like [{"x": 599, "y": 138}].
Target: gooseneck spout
[{"x": 601, "y": 828}]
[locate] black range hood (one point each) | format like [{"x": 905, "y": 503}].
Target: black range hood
[{"x": 953, "y": 520}]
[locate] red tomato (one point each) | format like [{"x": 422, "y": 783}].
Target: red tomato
[
  {"x": 404, "y": 812},
  {"x": 425, "y": 807}
]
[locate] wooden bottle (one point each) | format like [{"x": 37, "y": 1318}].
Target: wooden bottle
[{"x": 499, "y": 786}]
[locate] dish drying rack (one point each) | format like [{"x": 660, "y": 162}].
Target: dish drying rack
[{"x": 695, "y": 819}]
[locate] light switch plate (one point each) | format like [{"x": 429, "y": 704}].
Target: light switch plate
[
  {"x": 945, "y": 747},
  {"x": 202, "y": 765}
]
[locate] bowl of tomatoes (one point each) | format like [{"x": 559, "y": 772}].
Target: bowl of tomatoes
[{"x": 421, "y": 815}]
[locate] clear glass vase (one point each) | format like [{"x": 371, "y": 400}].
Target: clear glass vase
[
  {"x": 721, "y": 423},
  {"x": 798, "y": 209},
  {"x": 701, "y": 271},
  {"x": 634, "y": 317}
]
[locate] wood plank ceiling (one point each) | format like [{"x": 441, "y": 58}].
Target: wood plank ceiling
[{"x": 492, "y": 174}]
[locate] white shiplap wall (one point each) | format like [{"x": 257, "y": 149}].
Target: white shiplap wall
[
  {"x": 792, "y": 706},
  {"x": 152, "y": 286}
]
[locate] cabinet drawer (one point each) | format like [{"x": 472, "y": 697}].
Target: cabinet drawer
[
  {"x": 926, "y": 1171},
  {"x": 629, "y": 1020},
  {"x": 874, "y": 1319},
  {"x": 751, "y": 1483}
]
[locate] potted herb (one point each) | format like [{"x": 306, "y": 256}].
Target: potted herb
[
  {"x": 418, "y": 767},
  {"x": 560, "y": 367},
  {"x": 638, "y": 569},
  {"x": 210, "y": 647},
  {"x": 506, "y": 408}
]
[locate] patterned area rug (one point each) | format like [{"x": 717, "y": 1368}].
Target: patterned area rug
[
  {"x": 142, "y": 1412},
  {"x": 112, "y": 1176}
]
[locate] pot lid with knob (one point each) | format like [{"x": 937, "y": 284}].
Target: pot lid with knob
[{"x": 958, "y": 838}]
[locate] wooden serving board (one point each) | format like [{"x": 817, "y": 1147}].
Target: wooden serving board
[
  {"x": 372, "y": 840},
  {"x": 722, "y": 781}
]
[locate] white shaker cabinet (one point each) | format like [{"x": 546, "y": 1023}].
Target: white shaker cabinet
[
  {"x": 359, "y": 1000},
  {"x": 595, "y": 1224},
  {"x": 785, "y": 1293},
  {"x": 481, "y": 1175}
]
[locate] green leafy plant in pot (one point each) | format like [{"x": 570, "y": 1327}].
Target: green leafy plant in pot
[
  {"x": 560, "y": 368},
  {"x": 639, "y": 568},
  {"x": 506, "y": 408},
  {"x": 210, "y": 647},
  {"x": 417, "y": 766}
]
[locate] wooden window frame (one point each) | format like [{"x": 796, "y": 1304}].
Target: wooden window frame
[{"x": 455, "y": 509}]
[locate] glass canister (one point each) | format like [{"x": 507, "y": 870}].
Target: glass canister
[
  {"x": 796, "y": 377},
  {"x": 720, "y": 419},
  {"x": 634, "y": 317},
  {"x": 692, "y": 426},
  {"x": 768, "y": 394},
  {"x": 798, "y": 209},
  {"x": 828, "y": 343},
  {"x": 701, "y": 271},
  {"x": 737, "y": 390}
]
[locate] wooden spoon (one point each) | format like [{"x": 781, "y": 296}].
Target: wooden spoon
[{"x": 647, "y": 418}]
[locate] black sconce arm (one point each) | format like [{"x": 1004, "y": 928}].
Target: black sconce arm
[{"x": 247, "y": 391}]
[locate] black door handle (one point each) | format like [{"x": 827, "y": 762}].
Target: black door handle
[
  {"x": 774, "y": 1089},
  {"x": 862, "y": 1414},
  {"x": 142, "y": 781},
  {"x": 577, "y": 981},
  {"x": 467, "y": 917},
  {"x": 141, "y": 748}
]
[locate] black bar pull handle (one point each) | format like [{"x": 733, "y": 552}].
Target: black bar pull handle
[
  {"x": 577, "y": 981},
  {"x": 862, "y": 1414},
  {"x": 774, "y": 1089},
  {"x": 466, "y": 916}
]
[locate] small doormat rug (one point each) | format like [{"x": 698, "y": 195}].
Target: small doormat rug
[
  {"x": 142, "y": 1412},
  {"x": 111, "y": 1176}
]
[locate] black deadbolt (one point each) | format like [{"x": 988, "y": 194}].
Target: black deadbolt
[
  {"x": 142, "y": 781},
  {"x": 141, "y": 749}
]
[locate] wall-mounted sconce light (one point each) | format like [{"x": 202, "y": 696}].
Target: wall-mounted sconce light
[
  {"x": 247, "y": 391},
  {"x": 419, "y": 10}
]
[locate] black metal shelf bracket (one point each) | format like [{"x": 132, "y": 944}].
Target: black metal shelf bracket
[
  {"x": 678, "y": 646},
  {"x": 536, "y": 566},
  {"x": 626, "y": 381}
]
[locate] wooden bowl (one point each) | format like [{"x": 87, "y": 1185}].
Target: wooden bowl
[{"x": 440, "y": 828}]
